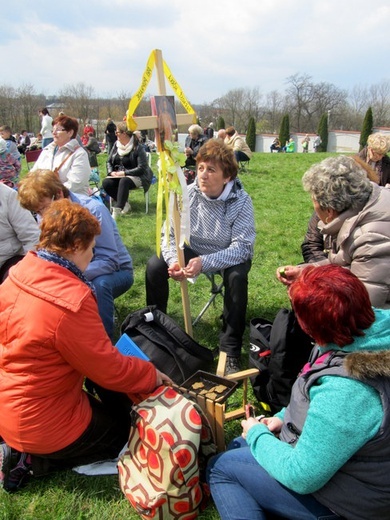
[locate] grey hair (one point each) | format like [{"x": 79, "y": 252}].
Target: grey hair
[
  {"x": 196, "y": 128},
  {"x": 338, "y": 183}
]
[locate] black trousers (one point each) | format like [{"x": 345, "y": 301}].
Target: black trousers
[
  {"x": 235, "y": 281},
  {"x": 7, "y": 266},
  {"x": 105, "y": 436},
  {"x": 118, "y": 189}
]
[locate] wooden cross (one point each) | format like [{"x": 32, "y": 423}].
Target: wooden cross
[{"x": 151, "y": 122}]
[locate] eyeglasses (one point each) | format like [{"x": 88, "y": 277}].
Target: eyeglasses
[{"x": 56, "y": 130}]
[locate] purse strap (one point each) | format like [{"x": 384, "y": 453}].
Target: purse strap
[{"x": 58, "y": 168}]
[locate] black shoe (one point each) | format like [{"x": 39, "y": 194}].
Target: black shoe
[
  {"x": 232, "y": 365},
  {"x": 14, "y": 468}
]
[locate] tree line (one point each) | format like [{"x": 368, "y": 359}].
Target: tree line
[{"x": 303, "y": 100}]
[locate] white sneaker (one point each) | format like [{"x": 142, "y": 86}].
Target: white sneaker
[
  {"x": 116, "y": 212},
  {"x": 126, "y": 209}
]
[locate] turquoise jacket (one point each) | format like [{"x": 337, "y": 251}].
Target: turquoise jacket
[{"x": 344, "y": 414}]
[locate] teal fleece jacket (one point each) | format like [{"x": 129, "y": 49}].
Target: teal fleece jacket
[{"x": 344, "y": 414}]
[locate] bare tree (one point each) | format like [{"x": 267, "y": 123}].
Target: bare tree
[
  {"x": 238, "y": 105},
  {"x": 379, "y": 96},
  {"x": 78, "y": 100}
]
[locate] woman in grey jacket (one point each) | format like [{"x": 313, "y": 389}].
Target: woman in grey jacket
[
  {"x": 19, "y": 232},
  {"x": 354, "y": 218}
]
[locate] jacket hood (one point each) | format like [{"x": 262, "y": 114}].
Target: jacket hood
[
  {"x": 369, "y": 355},
  {"x": 50, "y": 282},
  {"x": 368, "y": 365}
]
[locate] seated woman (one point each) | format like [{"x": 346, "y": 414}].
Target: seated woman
[
  {"x": 93, "y": 149},
  {"x": 241, "y": 150},
  {"x": 275, "y": 146},
  {"x": 127, "y": 169},
  {"x": 9, "y": 166},
  {"x": 222, "y": 239},
  {"x": 19, "y": 231},
  {"x": 354, "y": 218},
  {"x": 375, "y": 155},
  {"x": 65, "y": 156},
  {"x": 327, "y": 455},
  {"x": 51, "y": 337},
  {"x": 194, "y": 140},
  {"x": 313, "y": 246}
]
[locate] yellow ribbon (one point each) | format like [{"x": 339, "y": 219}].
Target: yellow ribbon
[
  {"x": 147, "y": 76},
  {"x": 171, "y": 181}
]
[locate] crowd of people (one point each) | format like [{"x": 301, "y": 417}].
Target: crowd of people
[{"x": 66, "y": 391}]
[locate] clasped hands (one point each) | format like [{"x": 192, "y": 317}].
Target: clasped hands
[{"x": 192, "y": 269}]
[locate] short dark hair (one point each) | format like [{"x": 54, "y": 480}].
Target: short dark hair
[
  {"x": 215, "y": 150},
  {"x": 69, "y": 123}
]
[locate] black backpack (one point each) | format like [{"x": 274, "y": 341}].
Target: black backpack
[
  {"x": 167, "y": 346},
  {"x": 279, "y": 350}
]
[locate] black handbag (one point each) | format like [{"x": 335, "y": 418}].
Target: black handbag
[
  {"x": 279, "y": 350},
  {"x": 167, "y": 346}
]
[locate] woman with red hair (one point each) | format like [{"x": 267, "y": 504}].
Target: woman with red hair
[{"x": 327, "y": 454}]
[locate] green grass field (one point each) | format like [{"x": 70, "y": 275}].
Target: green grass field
[{"x": 282, "y": 210}]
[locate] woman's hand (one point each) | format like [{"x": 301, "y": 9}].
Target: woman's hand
[
  {"x": 274, "y": 424},
  {"x": 288, "y": 274},
  {"x": 247, "y": 424},
  {"x": 176, "y": 272},
  {"x": 193, "y": 268},
  {"x": 162, "y": 379},
  {"x": 117, "y": 174}
]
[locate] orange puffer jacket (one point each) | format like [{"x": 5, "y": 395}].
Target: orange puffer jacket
[{"x": 51, "y": 336}]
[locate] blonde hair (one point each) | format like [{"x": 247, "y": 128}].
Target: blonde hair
[
  {"x": 379, "y": 143},
  {"x": 195, "y": 128},
  {"x": 39, "y": 184}
]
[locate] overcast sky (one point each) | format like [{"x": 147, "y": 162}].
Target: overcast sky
[{"x": 211, "y": 46}]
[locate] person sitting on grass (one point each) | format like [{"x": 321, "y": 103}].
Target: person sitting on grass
[
  {"x": 9, "y": 166},
  {"x": 51, "y": 338},
  {"x": 111, "y": 268},
  {"x": 241, "y": 150},
  {"x": 327, "y": 455}
]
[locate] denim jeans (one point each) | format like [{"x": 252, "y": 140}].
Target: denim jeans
[
  {"x": 108, "y": 287},
  {"x": 46, "y": 141},
  {"x": 243, "y": 490}
]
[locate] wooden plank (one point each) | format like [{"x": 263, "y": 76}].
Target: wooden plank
[
  {"x": 235, "y": 414},
  {"x": 219, "y": 426},
  {"x": 243, "y": 374},
  {"x": 150, "y": 122},
  {"x": 222, "y": 364}
]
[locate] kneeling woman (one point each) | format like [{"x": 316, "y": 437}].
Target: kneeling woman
[
  {"x": 327, "y": 455},
  {"x": 51, "y": 337}
]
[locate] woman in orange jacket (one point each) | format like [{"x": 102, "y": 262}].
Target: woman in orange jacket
[{"x": 51, "y": 338}]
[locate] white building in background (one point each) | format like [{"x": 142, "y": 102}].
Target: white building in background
[{"x": 339, "y": 141}]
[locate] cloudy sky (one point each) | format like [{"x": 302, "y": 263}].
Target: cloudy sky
[{"x": 211, "y": 46}]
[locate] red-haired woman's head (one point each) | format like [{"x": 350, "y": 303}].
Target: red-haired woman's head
[{"x": 331, "y": 304}]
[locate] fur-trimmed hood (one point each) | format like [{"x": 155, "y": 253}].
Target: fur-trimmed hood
[
  {"x": 367, "y": 365},
  {"x": 369, "y": 355}
]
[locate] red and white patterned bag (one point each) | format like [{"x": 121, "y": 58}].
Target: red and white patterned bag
[{"x": 159, "y": 473}]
